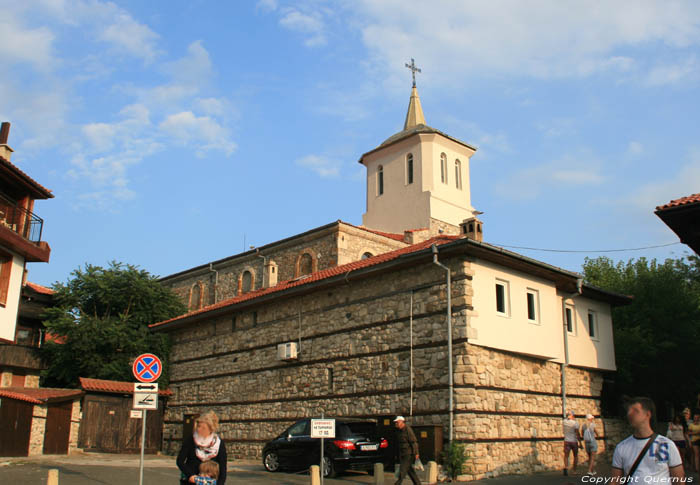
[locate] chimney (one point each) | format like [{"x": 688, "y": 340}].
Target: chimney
[
  {"x": 5, "y": 150},
  {"x": 472, "y": 228}
]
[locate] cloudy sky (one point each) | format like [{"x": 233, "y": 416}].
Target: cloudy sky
[{"x": 173, "y": 133}]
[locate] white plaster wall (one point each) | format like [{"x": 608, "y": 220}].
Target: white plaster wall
[
  {"x": 8, "y": 313},
  {"x": 410, "y": 206},
  {"x": 516, "y": 333}
]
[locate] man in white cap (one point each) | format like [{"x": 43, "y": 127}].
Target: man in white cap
[{"x": 408, "y": 451}]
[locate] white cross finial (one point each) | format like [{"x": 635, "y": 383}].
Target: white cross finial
[{"x": 414, "y": 70}]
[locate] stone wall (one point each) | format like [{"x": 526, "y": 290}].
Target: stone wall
[
  {"x": 354, "y": 358},
  {"x": 74, "y": 426},
  {"x": 36, "y": 437},
  {"x": 353, "y": 243}
]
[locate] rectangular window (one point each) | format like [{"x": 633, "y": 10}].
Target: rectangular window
[
  {"x": 329, "y": 370},
  {"x": 502, "y": 297},
  {"x": 532, "y": 305},
  {"x": 409, "y": 169},
  {"x": 569, "y": 316},
  {"x": 592, "y": 325},
  {"x": 255, "y": 318},
  {"x": 233, "y": 323}
]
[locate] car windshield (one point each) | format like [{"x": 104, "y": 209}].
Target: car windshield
[{"x": 356, "y": 430}]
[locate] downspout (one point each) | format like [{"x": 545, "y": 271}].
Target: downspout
[
  {"x": 216, "y": 280},
  {"x": 449, "y": 339},
  {"x": 410, "y": 325},
  {"x": 565, "y": 365}
]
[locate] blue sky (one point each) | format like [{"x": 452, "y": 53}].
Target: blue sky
[{"x": 172, "y": 131}]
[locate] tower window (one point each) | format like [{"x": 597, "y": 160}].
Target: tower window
[
  {"x": 409, "y": 168},
  {"x": 367, "y": 255},
  {"x": 380, "y": 180},
  {"x": 458, "y": 174},
  {"x": 443, "y": 168}
]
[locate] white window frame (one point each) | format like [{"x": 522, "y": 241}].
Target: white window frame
[
  {"x": 596, "y": 328},
  {"x": 572, "y": 309},
  {"x": 458, "y": 174},
  {"x": 443, "y": 169},
  {"x": 536, "y": 294},
  {"x": 506, "y": 297}
]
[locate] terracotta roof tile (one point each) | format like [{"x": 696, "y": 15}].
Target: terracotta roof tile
[
  {"x": 121, "y": 387},
  {"x": 40, "y": 289},
  {"x": 38, "y": 395},
  {"x": 27, "y": 179},
  {"x": 691, "y": 199},
  {"x": 318, "y": 276}
]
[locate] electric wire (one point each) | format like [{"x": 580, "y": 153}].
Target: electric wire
[{"x": 587, "y": 250}]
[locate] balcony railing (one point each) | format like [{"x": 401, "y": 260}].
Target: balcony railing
[{"x": 20, "y": 220}]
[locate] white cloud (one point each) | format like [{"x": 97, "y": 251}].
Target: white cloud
[
  {"x": 311, "y": 24},
  {"x": 129, "y": 36},
  {"x": 635, "y": 149},
  {"x": 567, "y": 172},
  {"x": 193, "y": 68},
  {"x": 323, "y": 166},
  {"x": 22, "y": 44},
  {"x": 266, "y": 5},
  {"x": 539, "y": 38},
  {"x": 660, "y": 75},
  {"x": 204, "y": 132}
]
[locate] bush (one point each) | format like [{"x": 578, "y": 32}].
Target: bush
[{"x": 454, "y": 458}]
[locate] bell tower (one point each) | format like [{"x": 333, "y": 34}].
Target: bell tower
[{"x": 418, "y": 178}]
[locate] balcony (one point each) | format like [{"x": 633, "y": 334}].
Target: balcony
[{"x": 20, "y": 220}]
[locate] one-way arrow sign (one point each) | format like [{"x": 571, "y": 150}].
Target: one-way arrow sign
[{"x": 144, "y": 387}]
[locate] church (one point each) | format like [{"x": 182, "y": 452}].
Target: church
[{"x": 410, "y": 313}]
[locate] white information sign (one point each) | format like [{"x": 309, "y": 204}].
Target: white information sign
[
  {"x": 145, "y": 400},
  {"x": 146, "y": 387},
  {"x": 136, "y": 413},
  {"x": 323, "y": 428}
]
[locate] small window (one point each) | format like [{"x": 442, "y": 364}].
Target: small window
[
  {"x": 502, "y": 297},
  {"x": 532, "y": 305},
  {"x": 380, "y": 180},
  {"x": 367, "y": 255},
  {"x": 458, "y": 174},
  {"x": 569, "y": 317},
  {"x": 255, "y": 319},
  {"x": 409, "y": 168},
  {"x": 443, "y": 168},
  {"x": 196, "y": 297},
  {"x": 233, "y": 323},
  {"x": 329, "y": 371},
  {"x": 247, "y": 282},
  {"x": 592, "y": 324},
  {"x": 306, "y": 265}
]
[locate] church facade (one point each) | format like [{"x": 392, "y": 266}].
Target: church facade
[{"x": 352, "y": 321}]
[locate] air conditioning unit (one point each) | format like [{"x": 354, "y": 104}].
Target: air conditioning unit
[{"x": 287, "y": 351}]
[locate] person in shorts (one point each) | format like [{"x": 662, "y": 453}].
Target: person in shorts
[
  {"x": 589, "y": 439},
  {"x": 678, "y": 433},
  {"x": 571, "y": 440}
]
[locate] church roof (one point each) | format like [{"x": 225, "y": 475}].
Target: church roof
[
  {"x": 683, "y": 201},
  {"x": 414, "y": 116}
]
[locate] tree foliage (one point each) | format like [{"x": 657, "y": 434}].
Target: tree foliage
[
  {"x": 656, "y": 337},
  {"x": 101, "y": 318}
]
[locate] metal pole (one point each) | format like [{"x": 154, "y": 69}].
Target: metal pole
[
  {"x": 449, "y": 339},
  {"x": 143, "y": 444},
  {"x": 322, "y": 468}
]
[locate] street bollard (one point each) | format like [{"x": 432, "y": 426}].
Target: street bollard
[
  {"x": 379, "y": 474},
  {"x": 315, "y": 474},
  {"x": 53, "y": 477},
  {"x": 431, "y": 472}
]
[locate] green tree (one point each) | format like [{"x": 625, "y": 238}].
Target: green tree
[
  {"x": 656, "y": 337},
  {"x": 101, "y": 320}
]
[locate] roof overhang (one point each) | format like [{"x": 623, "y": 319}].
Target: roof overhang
[{"x": 684, "y": 220}]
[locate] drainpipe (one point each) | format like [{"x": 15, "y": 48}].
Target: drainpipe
[
  {"x": 579, "y": 286},
  {"x": 216, "y": 279},
  {"x": 264, "y": 258},
  {"x": 449, "y": 338}
]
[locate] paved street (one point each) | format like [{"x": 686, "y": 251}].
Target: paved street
[{"x": 104, "y": 469}]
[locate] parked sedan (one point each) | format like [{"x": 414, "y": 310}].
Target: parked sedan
[{"x": 356, "y": 446}]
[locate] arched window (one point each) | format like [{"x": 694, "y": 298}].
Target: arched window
[
  {"x": 367, "y": 255},
  {"x": 306, "y": 264},
  {"x": 380, "y": 180},
  {"x": 409, "y": 168},
  {"x": 443, "y": 168},
  {"x": 458, "y": 174},
  {"x": 196, "y": 296},
  {"x": 247, "y": 282}
]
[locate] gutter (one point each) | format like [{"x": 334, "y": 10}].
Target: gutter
[{"x": 565, "y": 364}]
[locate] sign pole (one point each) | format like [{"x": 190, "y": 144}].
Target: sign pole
[
  {"x": 143, "y": 445},
  {"x": 322, "y": 469}
]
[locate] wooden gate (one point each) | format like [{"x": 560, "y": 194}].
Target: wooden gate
[
  {"x": 15, "y": 427},
  {"x": 107, "y": 426},
  {"x": 57, "y": 432}
]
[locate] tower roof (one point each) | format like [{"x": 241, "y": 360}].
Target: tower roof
[{"x": 414, "y": 116}]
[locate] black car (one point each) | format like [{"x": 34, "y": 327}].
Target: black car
[{"x": 356, "y": 446}]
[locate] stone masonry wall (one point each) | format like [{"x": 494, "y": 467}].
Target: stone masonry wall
[
  {"x": 353, "y": 243},
  {"x": 354, "y": 358},
  {"x": 36, "y": 437},
  {"x": 74, "y": 426}
]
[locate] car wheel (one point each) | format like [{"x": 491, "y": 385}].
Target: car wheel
[
  {"x": 271, "y": 461},
  {"x": 329, "y": 470}
]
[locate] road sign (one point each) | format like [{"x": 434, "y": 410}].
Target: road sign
[
  {"x": 145, "y": 400},
  {"x": 135, "y": 413},
  {"x": 323, "y": 428},
  {"x": 147, "y": 368},
  {"x": 146, "y": 387}
]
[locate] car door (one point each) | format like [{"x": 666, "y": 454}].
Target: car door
[{"x": 293, "y": 444}]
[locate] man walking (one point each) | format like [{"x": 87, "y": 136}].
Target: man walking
[
  {"x": 645, "y": 453},
  {"x": 408, "y": 451},
  {"x": 571, "y": 440}
]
